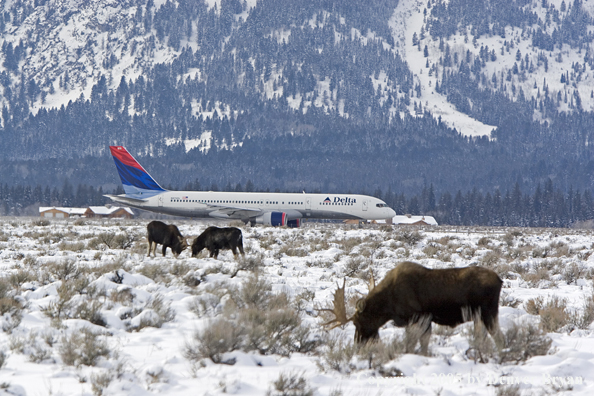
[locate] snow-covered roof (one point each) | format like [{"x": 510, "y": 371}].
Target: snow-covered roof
[
  {"x": 105, "y": 211},
  {"x": 408, "y": 219},
  {"x": 70, "y": 211}
]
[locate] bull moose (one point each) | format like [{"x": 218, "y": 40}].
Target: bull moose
[
  {"x": 215, "y": 239},
  {"x": 411, "y": 294},
  {"x": 166, "y": 235}
]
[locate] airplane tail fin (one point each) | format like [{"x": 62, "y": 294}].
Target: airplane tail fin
[{"x": 135, "y": 180}]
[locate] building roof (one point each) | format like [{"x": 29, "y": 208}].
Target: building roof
[
  {"x": 105, "y": 211},
  {"x": 408, "y": 219},
  {"x": 70, "y": 211}
]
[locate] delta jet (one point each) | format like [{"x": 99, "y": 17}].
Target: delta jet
[{"x": 277, "y": 209}]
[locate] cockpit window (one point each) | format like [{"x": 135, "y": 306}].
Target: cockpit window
[{"x": 381, "y": 205}]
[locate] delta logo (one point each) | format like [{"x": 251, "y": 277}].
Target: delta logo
[{"x": 338, "y": 200}]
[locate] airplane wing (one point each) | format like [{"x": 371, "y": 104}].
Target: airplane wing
[
  {"x": 232, "y": 212},
  {"x": 126, "y": 200}
]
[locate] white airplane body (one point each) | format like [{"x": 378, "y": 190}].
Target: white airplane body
[{"x": 143, "y": 192}]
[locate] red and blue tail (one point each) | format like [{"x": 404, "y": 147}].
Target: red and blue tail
[{"x": 136, "y": 181}]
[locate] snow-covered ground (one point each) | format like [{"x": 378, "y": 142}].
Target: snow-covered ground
[{"x": 85, "y": 312}]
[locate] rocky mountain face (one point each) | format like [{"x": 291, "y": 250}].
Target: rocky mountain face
[{"x": 317, "y": 95}]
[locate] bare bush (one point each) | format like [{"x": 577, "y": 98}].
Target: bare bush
[
  {"x": 99, "y": 382},
  {"x": 337, "y": 354},
  {"x": 64, "y": 270},
  {"x": 523, "y": 341},
  {"x": 83, "y": 347},
  {"x": 409, "y": 237},
  {"x": 156, "y": 272},
  {"x": 156, "y": 313},
  {"x": 354, "y": 265},
  {"x": 78, "y": 246},
  {"x": 346, "y": 357},
  {"x": 219, "y": 337},
  {"x": 11, "y": 307},
  {"x": 257, "y": 320},
  {"x": 491, "y": 259},
  {"x": 292, "y": 384},
  {"x": 484, "y": 242},
  {"x": 584, "y": 319},
  {"x": 553, "y": 313}
]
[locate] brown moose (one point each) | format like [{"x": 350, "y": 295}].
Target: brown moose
[
  {"x": 214, "y": 239},
  {"x": 166, "y": 235},
  {"x": 411, "y": 294}
]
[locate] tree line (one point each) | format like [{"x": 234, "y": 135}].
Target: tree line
[{"x": 547, "y": 206}]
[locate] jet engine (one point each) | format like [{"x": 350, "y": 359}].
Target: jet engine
[{"x": 275, "y": 219}]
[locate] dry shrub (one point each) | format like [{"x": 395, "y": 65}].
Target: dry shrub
[
  {"x": 254, "y": 319},
  {"x": 540, "y": 277},
  {"x": 541, "y": 252},
  {"x": 572, "y": 273},
  {"x": 409, "y": 237},
  {"x": 346, "y": 357},
  {"x": 585, "y": 319},
  {"x": 99, "y": 382},
  {"x": 122, "y": 295},
  {"x": 11, "y": 308},
  {"x": 431, "y": 250},
  {"x": 559, "y": 249},
  {"x": 553, "y": 314},
  {"x": 510, "y": 237},
  {"x": 508, "y": 390},
  {"x": 337, "y": 354},
  {"x": 91, "y": 311},
  {"x": 354, "y": 265},
  {"x": 484, "y": 242},
  {"x": 161, "y": 313},
  {"x": 523, "y": 341},
  {"x": 83, "y": 347},
  {"x": 62, "y": 307},
  {"x": 490, "y": 259},
  {"x": 41, "y": 222},
  {"x": 21, "y": 276},
  {"x": 219, "y": 337},
  {"x": 156, "y": 272},
  {"x": 349, "y": 244},
  {"x": 77, "y": 247},
  {"x": 507, "y": 300},
  {"x": 64, "y": 270},
  {"x": 112, "y": 266},
  {"x": 294, "y": 247},
  {"x": 292, "y": 384}
]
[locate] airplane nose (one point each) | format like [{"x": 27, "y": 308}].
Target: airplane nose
[{"x": 391, "y": 212}]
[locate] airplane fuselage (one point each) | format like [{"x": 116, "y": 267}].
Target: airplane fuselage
[{"x": 247, "y": 205}]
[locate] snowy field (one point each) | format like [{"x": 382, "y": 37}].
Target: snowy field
[{"x": 85, "y": 312}]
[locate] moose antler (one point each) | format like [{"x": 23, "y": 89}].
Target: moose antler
[
  {"x": 339, "y": 309},
  {"x": 371, "y": 285}
]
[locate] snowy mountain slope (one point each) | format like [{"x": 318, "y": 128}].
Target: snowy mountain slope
[
  {"x": 69, "y": 45},
  {"x": 405, "y": 22},
  {"x": 514, "y": 66}
]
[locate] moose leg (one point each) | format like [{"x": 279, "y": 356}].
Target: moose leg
[
  {"x": 164, "y": 250},
  {"x": 418, "y": 331},
  {"x": 496, "y": 334},
  {"x": 150, "y": 245},
  {"x": 425, "y": 337}
]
